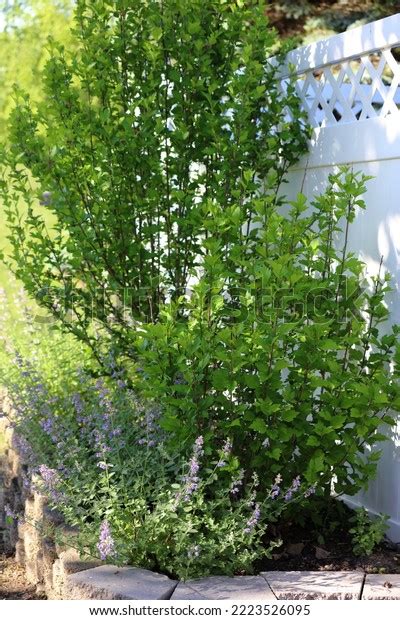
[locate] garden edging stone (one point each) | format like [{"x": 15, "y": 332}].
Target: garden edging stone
[
  {"x": 381, "y": 587},
  {"x": 109, "y": 582},
  {"x": 293, "y": 585},
  {"x": 219, "y": 588}
]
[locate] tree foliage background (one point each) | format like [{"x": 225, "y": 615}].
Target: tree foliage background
[
  {"x": 23, "y": 41},
  {"x": 311, "y": 20}
]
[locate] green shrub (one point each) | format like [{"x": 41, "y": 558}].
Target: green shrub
[
  {"x": 367, "y": 533},
  {"x": 160, "y": 150},
  {"x": 165, "y": 110}
]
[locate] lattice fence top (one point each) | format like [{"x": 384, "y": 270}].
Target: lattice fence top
[{"x": 350, "y": 77}]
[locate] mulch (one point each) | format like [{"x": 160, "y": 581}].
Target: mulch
[
  {"x": 322, "y": 542},
  {"x": 333, "y": 557}
]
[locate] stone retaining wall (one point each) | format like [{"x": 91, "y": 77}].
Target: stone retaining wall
[{"x": 46, "y": 560}]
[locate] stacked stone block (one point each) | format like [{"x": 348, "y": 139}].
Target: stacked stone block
[{"x": 47, "y": 563}]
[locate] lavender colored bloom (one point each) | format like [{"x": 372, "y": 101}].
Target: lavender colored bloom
[
  {"x": 151, "y": 428},
  {"x": 101, "y": 447},
  {"x": 254, "y": 519},
  {"x": 295, "y": 487},
  {"x": 104, "y": 395},
  {"x": 310, "y": 491},
  {"x": 296, "y": 483},
  {"x": 276, "y": 489},
  {"x": 191, "y": 479},
  {"x": 24, "y": 449},
  {"x": 48, "y": 425},
  {"x": 51, "y": 479},
  {"x": 226, "y": 450},
  {"x": 106, "y": 545},
  {"x": 194, "y": 466},
  {"x": 237, "y": 483},
  {"x": 77, "y": 402},
  {"x": 49, "y": 475}
]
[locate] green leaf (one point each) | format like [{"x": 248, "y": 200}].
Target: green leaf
[{"x": 259, "y": 425}]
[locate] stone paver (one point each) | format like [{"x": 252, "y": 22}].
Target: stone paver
[
  {"x": 183, "y": 592},
  {"x": 315, "y": 584},
  {"x": 218, "y": 588},
  {"x": 116, "y": 583},
  {"x": 382, "y": 587}
]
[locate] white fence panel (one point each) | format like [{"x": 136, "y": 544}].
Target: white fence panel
[{"x": 350, "y": 87}]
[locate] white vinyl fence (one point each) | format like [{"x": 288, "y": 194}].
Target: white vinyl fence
[{"x": 350, "y": 87}]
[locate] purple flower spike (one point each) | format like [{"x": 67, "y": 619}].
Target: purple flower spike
[
  {"x": 226, "y": 450},
  {"x": 198, "y": 445},
  {"x": 310, "y": 491},
  {"x": 237, "y": 483},
  {"x": 51, "y": 480},
  {"x": 191, "y": 479},
  {"x": 254, "y": 519},
  {"x": 295, "y": 487},
  {"x": 106, "y": 545}
]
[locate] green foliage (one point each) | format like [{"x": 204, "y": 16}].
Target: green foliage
[
  {"x": 23, "y": 42},
  {"x": 25, "y": 26},
  {"x": 367, "y": 533},
  {"x": 100, "y": 457},
  {"x": 279, "y": 343},
  {"x": 160, "y": 149},
  {"x": 138, "y": 133}
]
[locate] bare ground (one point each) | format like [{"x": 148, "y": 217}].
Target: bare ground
[{"x": 13, "y": 584}]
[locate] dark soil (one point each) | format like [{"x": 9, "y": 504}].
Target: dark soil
[
  {"x": 327, "y": 545},
  {"x": 339, "y": 557}
]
